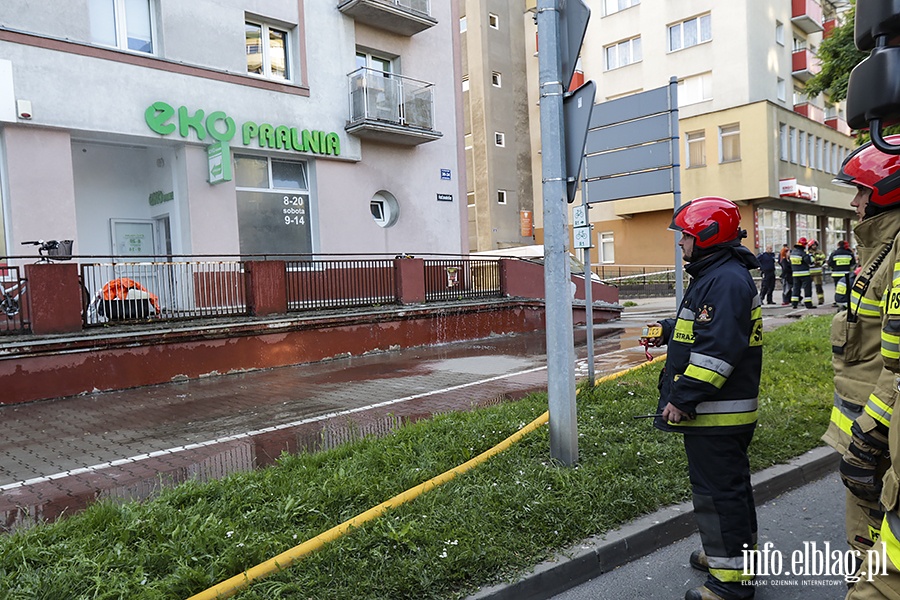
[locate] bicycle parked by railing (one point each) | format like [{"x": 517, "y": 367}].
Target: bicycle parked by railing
[{"x": 49, "y": 251}]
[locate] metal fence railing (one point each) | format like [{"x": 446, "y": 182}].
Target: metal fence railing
[
  {"x": 162, "y": 290},
  {"x": 639, "y": 282},
  {"x": 13, "y": 301},
  {"x": 316, "y": 284},
  {"x": 459, "y": 279}
]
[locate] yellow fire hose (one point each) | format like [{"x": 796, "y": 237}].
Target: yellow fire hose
[{"x": 231, "y": 586}]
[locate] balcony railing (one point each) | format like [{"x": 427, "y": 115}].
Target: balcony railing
[
  {"x": 405, "y": 17},
  {"x": 838, "y": 124},
  {"x": 807, "y": 15},
  {"x": 391, "y": 107},
  {"x": 810, "y": 111},
  {"x": 805, "y": 64}
]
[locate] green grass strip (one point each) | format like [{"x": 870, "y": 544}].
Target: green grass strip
[{"x": 482, "y": 527}]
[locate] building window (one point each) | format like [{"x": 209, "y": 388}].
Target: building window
[
  {"x": 496, "y": 79},
  {"x": 781, "y": 89},
  {"x": 501, "y": 196},
  {"x": 623, "y": 53},
  {"x": 826, "y": 156},
  {"x": 784, "y": 142},
  {"x": 123, "y": 24},
  {"x": 696, "y": 149},
  {"x": 729, "y": 143},
  {"x": 779, "y": 33},
  {"x": 811, "y": 141},
  {"x": 820, "y": 161},
  {"x": 807, "y": 226},
  {"x": 499, "y": 139},
  {"x": 607, "y": 247},
  {"x": 613, "y": 6},
  {"x": 694, "y": 89},
  {"x": 267, "y": 50},
  {"x": 274, "y": 210},
  {"x": 470, "y": 199},
  {"x": 773, "y": 227},
  {"x": 690, "y": 32},
  {"x": 462, "y": 25},
  {"x": 465, "y": 84},
  {"x": 384, "y": 208},
  {"x": 802, "y": 147},
  {"x": 835, "y": 231},
  {"x": 493, "y": 21},
  {"x": 798, "y": 44}
]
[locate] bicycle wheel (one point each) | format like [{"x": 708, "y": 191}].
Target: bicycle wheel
[{"x": 9, "y": 305}]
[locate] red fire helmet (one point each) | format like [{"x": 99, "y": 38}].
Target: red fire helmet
[
  {"x": 710, "y": 220},
  {"x": 871, "y": 168}
]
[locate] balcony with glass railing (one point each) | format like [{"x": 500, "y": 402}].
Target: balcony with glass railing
[
  {"x": 391, "y": 108},
  {"x": 405, "y": 17}
]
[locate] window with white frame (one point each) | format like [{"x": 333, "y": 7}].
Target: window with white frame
[
  {"x": 607, "y": 247},
  {"x": 493, "y": 21},
  {"x": 826, "y": 156},
  {"x": 267, "y": 50},
  {"x": 123, "y": 24},
  {"x": 773, "y": 227},
  {"x": 695, "y": 141},
  {"x": 811, "y": 142},
  {"x": 783, "y": 141},
  {"x": 792, "y": 135},
  {"x": 463, "y": 26},
  {"x": 690, "y": 32},
  {"x": 694, "y": 89},
  {"x": 613, "y": 6},
  {"x": 496, "y": 79},
  {"x": 798, "y": 44},
  {"x": 470, "y": 199},
  {"x": 623, "y": 53},
  {"x": 465, "y": 84},
  {"x": 820, "y": 162},
  {"x": 499, "y": 139},
  {"x": 835, "y": 231},
  {"x": 730, "y": 143},
  {"x": 779, "y": 33},
  {"x": 802, "y": 145},
  {"x": 384, "y": 208},
  {"x": 781, "y": 89},
  {"x": 835, "y": 164},
  {"x": 501, "y": 196},
  {"x": 807, "y": 226}
]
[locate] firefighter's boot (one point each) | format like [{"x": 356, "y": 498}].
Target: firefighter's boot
[{"x": 698, "y": 560}]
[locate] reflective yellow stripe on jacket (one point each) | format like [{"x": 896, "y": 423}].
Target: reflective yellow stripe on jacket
[
  {"x": 719, "y": 413},
  {"x": 878, "y": 410},
  {"x": 842, "y": 415}
]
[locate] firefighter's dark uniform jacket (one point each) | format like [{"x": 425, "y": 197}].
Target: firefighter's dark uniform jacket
[
  {"x": 715, "y": 347},
  {"x": 841, "y": 262},
  {"x": 801, "y": 262}
]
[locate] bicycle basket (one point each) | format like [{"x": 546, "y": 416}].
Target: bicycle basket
[{"x": 62, "y": 251}]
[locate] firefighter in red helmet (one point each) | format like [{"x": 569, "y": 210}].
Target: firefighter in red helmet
[
  {"x": 801, "y": 264},
  {"x": 710, "y": 385},
  {"x": 864, "y": 377}
]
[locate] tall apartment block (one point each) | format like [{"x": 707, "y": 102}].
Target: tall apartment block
[{"x": 747, "y": 130}]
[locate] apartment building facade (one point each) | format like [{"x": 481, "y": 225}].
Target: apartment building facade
[
  {"x": 500, "y": 196},
  {"x": 746, "y": 130},
  {"x": 159, "y": 127}
]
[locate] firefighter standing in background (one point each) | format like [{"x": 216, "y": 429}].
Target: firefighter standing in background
[
  {"x": 800, "y": 265},
  {"x": 866, "y": 389},
  {"x": 841, "y": 262},
  {"x": 709, "y": 389},
  {"x": 815, "y": 270}
]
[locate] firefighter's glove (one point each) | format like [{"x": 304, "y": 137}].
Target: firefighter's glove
[{"x": 859, "y": 468}]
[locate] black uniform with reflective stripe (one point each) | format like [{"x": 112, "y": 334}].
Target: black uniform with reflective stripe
[{"x": 715, "y": 347}]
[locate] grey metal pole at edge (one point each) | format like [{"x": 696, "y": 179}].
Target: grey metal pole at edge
[
  {"x": 676, "y": 183},
  {"x": 557, "y": 278},
  {"x": 588, "y": 279}
]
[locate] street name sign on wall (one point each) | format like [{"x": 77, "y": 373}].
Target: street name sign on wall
[{"x": 631, "y": 148}]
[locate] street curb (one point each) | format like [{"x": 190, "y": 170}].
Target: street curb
[{"x": 601, "y": 554}]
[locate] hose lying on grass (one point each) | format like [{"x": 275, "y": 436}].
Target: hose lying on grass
[{"x": 235, "y": 584}]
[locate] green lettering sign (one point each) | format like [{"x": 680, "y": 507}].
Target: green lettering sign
[{"x": 222, "y": 128}]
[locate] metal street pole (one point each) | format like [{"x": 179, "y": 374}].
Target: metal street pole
[
  {"x": 588, "y": 280},
  {"x": 676, "y": 184},
  {"x": 557, "y": 278}
]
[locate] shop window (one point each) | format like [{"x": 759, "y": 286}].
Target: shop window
[
  {"x": 696, "y": 149},
  {"x": 123, "y": 24},
  {"x": 729, "y": 143},
  {"x": 274, "y": 205},
  {"x": 690, "y": 32},
  {"x": 267, "y": 49},
  {"x": 773, "y": 227}
]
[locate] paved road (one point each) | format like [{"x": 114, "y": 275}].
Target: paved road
[{"x": 811, "y": 514}]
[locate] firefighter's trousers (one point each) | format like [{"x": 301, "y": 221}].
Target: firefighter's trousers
[
  {"x": 881, "y": 582},
  {"x": 802, "y": 290},
  {"x": 724, "y": 508}
]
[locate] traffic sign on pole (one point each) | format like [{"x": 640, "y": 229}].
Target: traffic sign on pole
[
  {"x": 577, "y": 109},
  {"x": 573, "y": 21}
]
